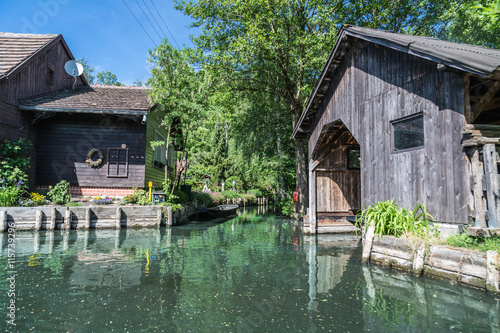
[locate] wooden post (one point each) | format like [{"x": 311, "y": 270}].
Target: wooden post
[
  {"x": 3, "y": 220},
  {"x": 492, "y": 187},
  {"x": 492, "y": 273},
  {"x": 38, "y": 220},
  {"x": 312, "y": 202},
  {"x": 169, "y": 216},
  {"x": 67, "y": 220},
  {"x": 158, "y": 217},
  {"x": 479, "y": 204},
  {"x": 87, "y": 218},
  {"x": 52, "y": 224},
  {"x": 118, "y": 223},
  {"x": 368, "y": 243},
  {"x": 418, "y": 260}
]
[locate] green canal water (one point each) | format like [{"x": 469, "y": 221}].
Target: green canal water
[{"x": 253, "y": 273}]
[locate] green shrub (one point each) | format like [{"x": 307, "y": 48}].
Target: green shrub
[
  {"x": 180, "y": 197},
  {"x": 238, "y": 184},
  {"x": 250, "y": 199},
  {"x": 231, "y": 195},
  {"x": 142, "y": 197},
  {"x": 284, "y": 206},
  {"x": 217, "y": 198},
  {"x": 475, "y": 243},
  {"x": 256, "y": 192},
  {"x": 59, "y": 194},
  {"x": 15, "y": 161},
  {"x": 129, "y": 199},
  {"x": 203, "y": 199},
  {"x": 390, "y": 219},
  {"x": 11, "y": 194}
]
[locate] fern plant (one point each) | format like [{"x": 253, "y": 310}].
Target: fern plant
[{"x": 390, "y": 219}]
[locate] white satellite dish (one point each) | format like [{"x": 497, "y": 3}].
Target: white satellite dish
[{"x": 73, "y": 68}]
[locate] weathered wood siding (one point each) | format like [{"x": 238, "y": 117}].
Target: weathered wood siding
[
  {"x": 340, "y": 192},
  {"x": 28, "y": 81},
  {"x": 375, "y": 85},
  {"x": 65, "y": 140},
  {"x": 31, "y": 79},
  {"x": 154, "y": 174}
]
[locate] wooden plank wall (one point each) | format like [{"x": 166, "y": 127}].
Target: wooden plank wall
[
  {"x": 340, "y": 192},
  {"x": 64, "y": 141},
  {"x": 31, "y": 79},
  {"x": 375, "y": 85}
]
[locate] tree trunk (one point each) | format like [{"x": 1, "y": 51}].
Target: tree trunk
[{"x": 301, "y": 182}]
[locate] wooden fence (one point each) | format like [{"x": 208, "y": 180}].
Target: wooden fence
[{"x": 482, "y": 146}]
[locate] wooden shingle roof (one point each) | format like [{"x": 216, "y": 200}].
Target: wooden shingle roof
[
  {"x": 91, "y": 99},
  {"x": 472, "y": 59},
  {"x": 16, "y": 49}
]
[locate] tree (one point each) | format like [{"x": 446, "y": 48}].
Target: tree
[
  {"x": 88, "y": 70},
  {"x": 107, "y": 78},
  {"x": 179, "y": 90},
  {"x": 278, "y": 47},
  {"x": 137, "y": 83}
]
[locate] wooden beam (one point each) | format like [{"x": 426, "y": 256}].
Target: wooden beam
[
  {"x": 467, "y": 99},
  {"x": 479, "y": 108}
]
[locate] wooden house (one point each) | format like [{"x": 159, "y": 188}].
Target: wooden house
[
  {"x": 97, "y": 138},
  {"x": 405, "y": 118}
]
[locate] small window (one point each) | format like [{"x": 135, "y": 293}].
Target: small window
[
  {"x": 118, "y": 162},
  {"x": 354, "y": 159},
  {"x": 408, "y": 133},
  {"x": 50, "y": 76},
  {"x": 159, "y": 153}
]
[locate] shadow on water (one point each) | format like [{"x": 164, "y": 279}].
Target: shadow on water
[{"x": 252, "y": 273}]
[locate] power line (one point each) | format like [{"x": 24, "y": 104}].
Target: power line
[
  {"x": 159, "y": 26},
  {"x": 139, "y": 23},
  {"x": 148, "y": 19},
  {"x": 165, "y": 24}
]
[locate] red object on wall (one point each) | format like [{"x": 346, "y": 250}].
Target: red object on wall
[{"x": 295, "y": 196}]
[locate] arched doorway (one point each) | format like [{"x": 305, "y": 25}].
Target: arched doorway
[{"x": 336, "y": 169}]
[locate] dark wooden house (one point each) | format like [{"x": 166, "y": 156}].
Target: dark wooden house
[
  {"x": 38, "y": 102},
  {"x": 404, "y": 118}
]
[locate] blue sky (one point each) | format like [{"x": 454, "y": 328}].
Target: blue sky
[{"x": 103, "y": 31}]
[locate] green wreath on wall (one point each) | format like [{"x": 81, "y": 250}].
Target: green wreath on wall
[{"x": 97, "y": 162}]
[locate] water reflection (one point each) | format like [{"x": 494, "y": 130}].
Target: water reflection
[{"x": 253, "y": 273}]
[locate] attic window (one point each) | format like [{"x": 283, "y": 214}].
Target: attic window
[
  {"x": 408, "y": 133},
  {"x": 50, "y": 76}
]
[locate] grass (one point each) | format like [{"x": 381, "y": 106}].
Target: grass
[
  {"x": 74, "y": 204},
  {"x": 474, "y": 243}
]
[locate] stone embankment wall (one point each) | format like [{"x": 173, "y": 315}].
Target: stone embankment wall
[
  {"x": 472, "y": 268},
  {"x": 91, "y": 217}
]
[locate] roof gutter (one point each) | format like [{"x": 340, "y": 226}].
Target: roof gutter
[{"x": 88, "y": 111}]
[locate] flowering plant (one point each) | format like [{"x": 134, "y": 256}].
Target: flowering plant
[{"x": 10, "y": 194}]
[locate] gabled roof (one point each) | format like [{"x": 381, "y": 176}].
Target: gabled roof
[
  {"x": 17, "y": 49},
  {"x": 91, "y": 99},
  {"x": 467, "y": 58}
]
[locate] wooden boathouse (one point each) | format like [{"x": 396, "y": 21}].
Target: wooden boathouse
[{"x": 405, "y": 118}]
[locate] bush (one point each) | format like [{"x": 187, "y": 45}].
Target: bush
[
  {"x": 11, "y": 194},
  {"x": 59, "y": 194},
  {"x": 142, "y": 197},
  {"x": 390, "y": 219},
  {"x": 217, "y": 198},
  {"x": 129, "y": 199},
  {"x": 476, "y": 243},
  {"x": 180, "y": 197},
  {"x": 231, "y": 195},
  {"x": 256, "y": 192},
  {"x": 15, "y": 161},
  {"x": 284, "y": 206},
  {"x": 203, "y": 199},
  {"x": 250, "y": 199}
]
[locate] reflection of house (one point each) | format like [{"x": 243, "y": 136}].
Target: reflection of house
[
  {"x": 112, "y": 269},
  {"x": 37, "y": 102},
  {"x": 403, "y": 103}
]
